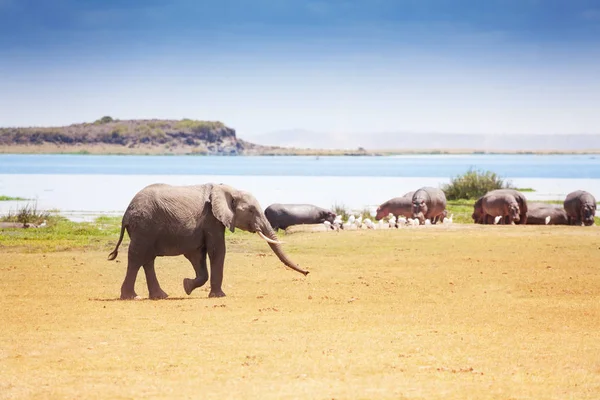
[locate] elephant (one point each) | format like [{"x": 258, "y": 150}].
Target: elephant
[
  {"x": 429, "y": 203},
  {"x": 281, "y": 216},
  {"x": 165, "y": 220},
  {"x": 396, "y": 206},
  {"x": 501, "y": 203},
  {"x": 546, "y": 214},
  {"x": 580, "y": 207}
]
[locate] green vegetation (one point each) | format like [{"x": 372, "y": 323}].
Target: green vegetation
[
  {"x": 61, "y": 234},
  {"x": 104, "y": 120},
  {"x": 525, "y": 189},
  {"x": 9, "y": 198},
  {"x": 28, "y": 214},
  {"x": 473, "y": 184}
]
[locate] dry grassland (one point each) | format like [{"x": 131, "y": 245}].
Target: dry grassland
[{"x": 482, "y": 312}]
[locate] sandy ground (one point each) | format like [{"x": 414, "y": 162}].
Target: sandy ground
[{"x": 486, "y": 312}]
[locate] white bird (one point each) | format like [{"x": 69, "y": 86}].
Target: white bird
[
  {"x": 359, "y": 221},
  {"x": 351, "y": 219},
  {"x": 380, "y": 224},
  {"x": 547, "y": 220},
  {"x": 448, "y": 220},
  {"x": 392, "y": 222},
  {"x": 327, "y": 225},
  {"x": 43, "y": 224},
  {"x": 402, "y": 221},
  {"x": 427, "y": 222},
  {"x": 497, "y": 219},
  {"x": 368, "y": 223}
]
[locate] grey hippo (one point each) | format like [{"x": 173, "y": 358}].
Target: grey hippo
[
  {"x": 546, "y": 214},
  {"x": 501, "y": 203},
  {"x": 282, "y": 216},
  {"x": 580, "y": 207},
  {"x": 398, "y": 206},
  {"x": 429, "y": 203}
]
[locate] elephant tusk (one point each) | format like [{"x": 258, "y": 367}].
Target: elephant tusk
[{"x": 269, "y": 240}]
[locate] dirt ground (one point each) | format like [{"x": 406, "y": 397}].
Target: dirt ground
[{"x": 485, "y": 312}]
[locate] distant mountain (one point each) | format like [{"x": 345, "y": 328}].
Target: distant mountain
[{"x": 430, "y": 141}]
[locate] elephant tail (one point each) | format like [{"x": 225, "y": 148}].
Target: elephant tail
[{"x": 115, "y": 252}]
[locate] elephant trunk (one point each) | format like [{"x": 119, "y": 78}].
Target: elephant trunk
[{"x": 276, "y": 247}]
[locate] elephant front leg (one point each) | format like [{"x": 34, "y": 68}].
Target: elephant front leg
[
  {"x": 198, "y": 260},
  {"x": 216, "y": 254}
]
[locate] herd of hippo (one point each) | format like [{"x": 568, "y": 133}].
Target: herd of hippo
[{"x": 428, "y": 206}]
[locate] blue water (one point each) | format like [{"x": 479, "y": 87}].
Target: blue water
[{"x": 514, "y": 166}]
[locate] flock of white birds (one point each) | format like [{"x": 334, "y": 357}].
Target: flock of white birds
[{"x": 354, "y": 222}]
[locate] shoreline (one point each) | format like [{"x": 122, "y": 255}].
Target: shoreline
[
  {"x": 104, "y": 149},
  {"x": 110, "y": 194}
]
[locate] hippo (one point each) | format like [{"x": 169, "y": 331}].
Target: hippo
[
  {"x": 281, "y": 216},
  {"x": 478, "y": 215},
  {"x": 429, "y": 203},
  {"x": 546, "y": 214},
  {"x": 396, "y": 206},
  {"x": 501, "y": 203},
  {"x": 580, "y": 207}
]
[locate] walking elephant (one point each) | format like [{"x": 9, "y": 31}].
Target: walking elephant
[
  {"x": 165, "y": 220},
  {"x": 396, "y": 206},
  {"x": 546, "y": 214},
  {"x": 501, "y": 203},
  {"x": 580, "y": 207},
  {"x": 429, "y": 203},
  {"x": 282, "y": 216}
]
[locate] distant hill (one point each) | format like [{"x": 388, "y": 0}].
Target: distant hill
[
  {"x": 399, "y": 141},
  {"x": 202, "y": 137}
]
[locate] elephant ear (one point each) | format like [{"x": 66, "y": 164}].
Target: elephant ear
[{"x": 223, "y": 205}]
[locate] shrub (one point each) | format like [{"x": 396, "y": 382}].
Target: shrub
[
  {"x": 104, "y": 120},
  {"x": 473, "y": 184},
  {"x": 28, "y": 214}
]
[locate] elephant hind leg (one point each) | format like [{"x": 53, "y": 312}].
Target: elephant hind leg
[
  {"x": 134, "y": 263},
  {"x": 128, "y": 286},
  {"x": 154, "y": 289},
  {"x": 198, "y": 260}
]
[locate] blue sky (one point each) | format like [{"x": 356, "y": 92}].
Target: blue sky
[{"x": 523, "y": 66}]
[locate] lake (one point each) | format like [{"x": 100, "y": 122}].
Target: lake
[{"x": 84, "y": 185}]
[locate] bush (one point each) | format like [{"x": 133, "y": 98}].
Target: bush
[
  {"x": 474, "y": 184},
  {"x": 27, "y": 214},
  {"x": 104, "y": 120}
]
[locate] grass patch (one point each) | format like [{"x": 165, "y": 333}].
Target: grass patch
[
  {"x": 62, "y": 234},
  {"x": 525, "y": 189},
  {"x": 10, "y": 198}
]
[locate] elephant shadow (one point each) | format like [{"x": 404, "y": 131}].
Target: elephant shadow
[{"x": 145, "y": 299}]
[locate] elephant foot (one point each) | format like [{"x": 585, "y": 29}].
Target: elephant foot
[
  {"x": 216, "y": 293},
  {"x": 188, "y": 286},
  {"x": 158, "y": 295},
  {"x": 129, "y": 296}
]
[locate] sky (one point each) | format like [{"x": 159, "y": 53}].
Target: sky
[{"x": 339, "y": 66}]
